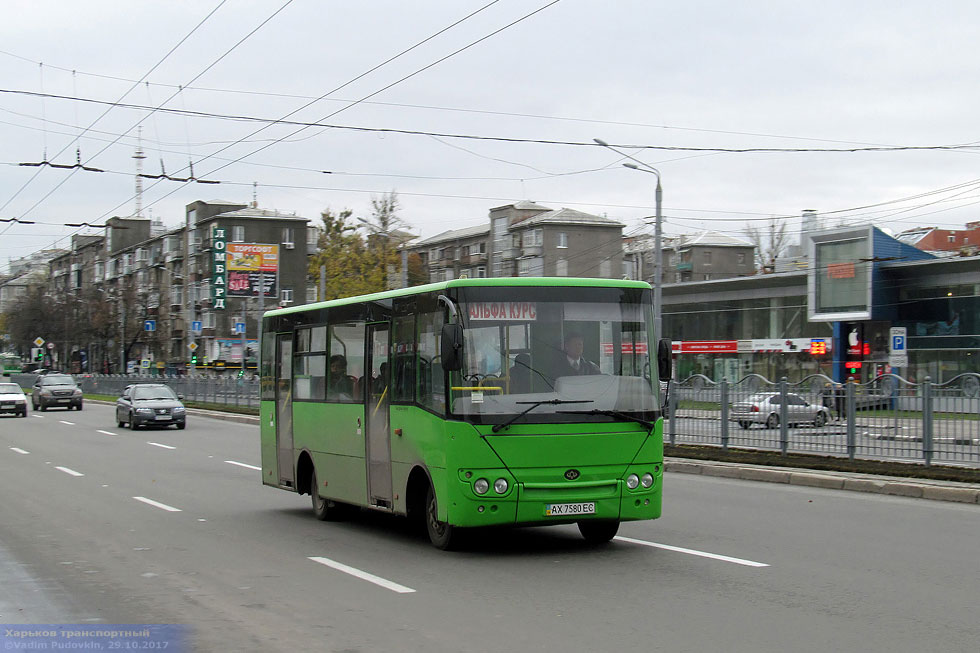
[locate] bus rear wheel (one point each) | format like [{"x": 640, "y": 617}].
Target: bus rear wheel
[
  {"x": 442, "y": 535},
  {"x": 324, "y": 509},
  {"x": 598, "y": 532}
]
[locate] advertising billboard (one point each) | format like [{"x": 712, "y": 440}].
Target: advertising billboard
[
  {"x": 253, "y": 270},
  {"x": 839, "y": 278}
]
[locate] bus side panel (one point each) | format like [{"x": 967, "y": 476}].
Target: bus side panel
[
  {"x": 334, "y": 434},
  {"x": 422, "y": 442},
  {"x": 267, "y": 435}
]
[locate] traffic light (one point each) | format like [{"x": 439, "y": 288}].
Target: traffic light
[
  {"x": 193, "y": 359},
  {"x": 38, "y": 354}
]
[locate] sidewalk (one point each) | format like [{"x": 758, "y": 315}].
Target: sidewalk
[{"x": 893, "y": 485}]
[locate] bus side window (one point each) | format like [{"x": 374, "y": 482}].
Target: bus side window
[
  {"x": 432, "y": 385},
  {"x": 403, "y": 372}
]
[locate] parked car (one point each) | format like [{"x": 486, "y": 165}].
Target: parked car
[
  {"x": 54, "y": 389},
  {"x": 12, "y": 399},
  {"x": 150, "y": 404},
  {"x": 765, "y": 408}
]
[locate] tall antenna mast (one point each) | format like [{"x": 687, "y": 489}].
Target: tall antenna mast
[
  {"x": 139, "y": 156},
  {"x": 255, "y": 194}
]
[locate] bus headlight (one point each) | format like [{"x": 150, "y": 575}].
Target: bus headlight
[
  {"x": 647, "y": 480},
  {"x": 500, "y": 486},
  {"x": 632, "y": 481},
  {"x": 481, "y": 485}
]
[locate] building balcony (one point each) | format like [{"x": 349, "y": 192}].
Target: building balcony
[
  {"x": 511, "y": 253},
  {"x": 473, "y": 259},
  {"x": 535, "y": 250}
]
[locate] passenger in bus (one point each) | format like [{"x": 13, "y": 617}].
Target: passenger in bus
[
  {"x": 520, "y": 374},
  {"x": 380, "y": 382},
  {"x": 341, "y": 386},
  {"x": 571, "y": 362}
]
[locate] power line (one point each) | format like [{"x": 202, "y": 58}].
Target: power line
[{"x": 973, "y": 147}]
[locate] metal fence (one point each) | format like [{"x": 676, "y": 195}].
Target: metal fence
[
  {"x": 226, "y": 391},
  {"x": 888, "y": 418}
]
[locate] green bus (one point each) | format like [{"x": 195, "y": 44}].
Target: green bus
[{"x": 469, "y": 403}]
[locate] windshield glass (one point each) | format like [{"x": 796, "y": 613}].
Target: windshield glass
[
  {"x": 57, "y": 379},
  {"x": 10, "y": 388},
  {"x": 154, "y": 392},
  {"x": 578, "y": 349}
]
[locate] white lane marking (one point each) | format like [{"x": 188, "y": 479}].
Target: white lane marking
[
  {"x": 105, "y": 432},
  {"x": 162, "y": 446},
  {"x": 703, "y": 554},
  {"x": 41, "y": 416},
  {"x": 157, "y": 504},
  {"x": 18, "y": 450},
  {"x": 363, "y": 575},
  {"x": 232, "y": 462},
  {"x": 69, "y": 471},
  {"x": 68, "y": 423}
]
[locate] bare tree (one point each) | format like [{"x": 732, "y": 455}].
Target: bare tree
[{"x": 770, "y": 243}]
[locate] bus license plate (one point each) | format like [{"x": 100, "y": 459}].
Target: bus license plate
[{"x": 562, "y": 509}]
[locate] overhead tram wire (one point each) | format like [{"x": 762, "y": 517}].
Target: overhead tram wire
[
  {"x": 198, "y": 76},
  {"x": 971, "y": 146},
  {"x": 509, "y": 114},
  {"x": 399, "y": 81},
  {"x": 121, "y": 97}
]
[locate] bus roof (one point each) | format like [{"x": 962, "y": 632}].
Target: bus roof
[{"x": 462, "y": 283}]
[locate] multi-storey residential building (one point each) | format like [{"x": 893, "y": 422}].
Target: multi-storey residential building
[
  {"x": 149, "y": 299},
  {"x": 527, "y": 239}
]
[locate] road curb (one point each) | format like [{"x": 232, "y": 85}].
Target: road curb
[{"x": 912, "y": 488}]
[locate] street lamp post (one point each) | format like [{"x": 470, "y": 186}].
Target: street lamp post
[{"x": 658, "y": 254}]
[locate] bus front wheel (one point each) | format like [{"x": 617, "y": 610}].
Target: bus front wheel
[
  {"x": 442, "y": 535},
  {"x": 598, "y": 532}
]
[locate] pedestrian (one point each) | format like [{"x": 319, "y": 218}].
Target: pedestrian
[
  {"x": 839, "y": 400},
  {"x": 827, "y": 396}
]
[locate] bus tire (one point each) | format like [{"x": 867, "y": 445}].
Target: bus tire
[
  {"x": 600, "y": 531},
  {"x": 324, "y": 509},
  {"x": 442, "y": 535}
]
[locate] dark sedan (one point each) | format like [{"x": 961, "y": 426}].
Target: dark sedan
[{"x": 150, "y": 404}]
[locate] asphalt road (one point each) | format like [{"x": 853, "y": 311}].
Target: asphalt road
[{"x": 104, "y": 525}]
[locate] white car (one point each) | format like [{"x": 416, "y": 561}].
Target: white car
[
  {"x": 12, "y": 399},
  {"x": 766, "y": 408}
]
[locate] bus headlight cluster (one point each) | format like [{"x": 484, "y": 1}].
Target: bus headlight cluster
[
  {"x": 633, "y": 481},
  {"x": 481, "y": 486}
]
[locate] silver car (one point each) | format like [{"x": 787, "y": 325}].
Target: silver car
[
  {"x": 766, "y": 408},
  {"x": 150, "y": 404}
]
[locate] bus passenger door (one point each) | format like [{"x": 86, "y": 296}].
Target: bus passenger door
[
  {"x": 377, "y": 377},
  {"x": 284, "y": 408}
]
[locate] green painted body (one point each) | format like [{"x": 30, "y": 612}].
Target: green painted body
[{"x": 533, "y": 458}]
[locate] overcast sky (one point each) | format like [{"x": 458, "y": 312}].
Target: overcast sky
[{"x": 704, "y": 75}]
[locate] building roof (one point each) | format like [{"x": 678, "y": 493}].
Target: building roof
[
  {"x": 913, "y": 236},
  {"x": 568, "y": 217},
  {"x": 712, "y": 239},
  {"x": 453, "y": 234},
  {"x": 249, "y": 212}
]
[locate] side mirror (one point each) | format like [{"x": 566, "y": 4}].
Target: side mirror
[
  {"x": 451, "y": 349},
  {"x": 664, "y": 359},
  {"x": 180, "y": 397}
]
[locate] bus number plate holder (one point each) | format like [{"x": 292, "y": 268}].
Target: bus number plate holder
[{"x": 564, "y": 509}]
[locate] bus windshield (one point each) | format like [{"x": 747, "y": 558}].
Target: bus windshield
[{"x": 572, "y": 353}]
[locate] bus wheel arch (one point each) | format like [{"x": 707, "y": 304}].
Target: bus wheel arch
[
  {"x": 418, "y": 484},
  {"x": 304, "y": 473}
]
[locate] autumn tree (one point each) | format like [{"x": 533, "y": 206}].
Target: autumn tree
[{"x": 343, "y": 254}]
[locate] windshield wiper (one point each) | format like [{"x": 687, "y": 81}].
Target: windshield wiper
[
  {"x": 611, "y": 413},
  {"x": 535, "y": 404}
]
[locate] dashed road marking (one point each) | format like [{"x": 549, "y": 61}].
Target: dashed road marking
[
  {"x": 233, "y": 462},
  {"x": 71, "y": 472},
  {"x": 363, "y": 575},
  {"x": 162, "y": 446},
  {"x": 19, "y": 450},
  {"x": 693, "y": 552},
  {"x": 157, "y": 504}
]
